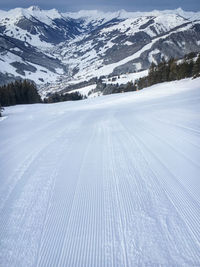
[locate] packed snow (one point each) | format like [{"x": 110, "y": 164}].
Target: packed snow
[{"x": 111, "y": 181}]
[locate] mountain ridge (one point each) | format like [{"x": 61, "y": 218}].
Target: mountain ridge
[{"x": 48, "y": 46}]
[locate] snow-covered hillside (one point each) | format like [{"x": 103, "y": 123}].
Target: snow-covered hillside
[
  {"x": 111, "y": 181},
  {"x": 48, "y": 46}
]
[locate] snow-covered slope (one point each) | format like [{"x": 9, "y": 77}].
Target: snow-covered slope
[
  {"x": 26, "y": 36},
  {"x": 80, "y": 46},
  {"x": 111, "y": 181},
  {"x": 131, "y": 45},
  {"x": 32, "y": 25}
]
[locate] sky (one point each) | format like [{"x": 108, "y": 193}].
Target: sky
[{"x": 105, "y": 5}]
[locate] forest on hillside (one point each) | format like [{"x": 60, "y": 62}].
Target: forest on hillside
[
  {"x": 165, "y": 71},
  {"x": 171, "y": 71},
  {"x": 25, "y": 92},
  {"x": 19, "y": 92}
]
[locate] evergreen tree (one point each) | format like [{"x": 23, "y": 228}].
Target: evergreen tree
[
  {"x": 172, "y": 69},
  {"x": 130, "y": 87},
  {"x": 1, "y": 110},
  {"x": 151, "y": 74},
  {"x": 56, "y": 97},
  {"x": 196, "y": 68},
  {"x": 19, "y": 92}
]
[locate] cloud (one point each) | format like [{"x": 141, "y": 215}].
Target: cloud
[{"x": 132, "y": 5}]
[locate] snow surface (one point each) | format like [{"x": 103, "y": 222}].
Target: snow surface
[
  {"x": 40, "y": 73},
  {"x": 11, "y": 17},
  {"x": 111, "y": 181},
  {"x": 164, "y": 22},
  {"x": 46, "y": 16}
]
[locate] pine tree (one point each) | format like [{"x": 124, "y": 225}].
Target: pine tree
[
  {"x": 151, "y": 74},
  {"x": 172, "y": 70},
  {"x": 1, "y": 110},
  {"x": 19, "y": 92},
  {"x": 196, "y": 68},
  {"x": 130, "y": 87}
]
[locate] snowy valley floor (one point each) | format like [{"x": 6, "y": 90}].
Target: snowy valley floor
[{"x": 111, "y": 181}]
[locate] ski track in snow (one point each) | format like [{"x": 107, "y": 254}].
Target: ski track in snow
[{"x": 112, "y": 181}]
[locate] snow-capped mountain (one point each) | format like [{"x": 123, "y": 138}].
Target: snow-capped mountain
[{"x": 62, "y": 48}]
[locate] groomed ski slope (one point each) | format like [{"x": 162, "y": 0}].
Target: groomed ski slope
[{"x": 111, "y": 181}]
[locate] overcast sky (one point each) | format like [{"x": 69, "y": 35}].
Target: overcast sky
[{"x": 106, "y": 5}]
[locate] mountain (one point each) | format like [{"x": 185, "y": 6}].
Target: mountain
[{"x": 67, "y": 48}]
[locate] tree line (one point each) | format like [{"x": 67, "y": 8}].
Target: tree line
[
  {"x": 1, "y": 110},
  {"x": 19, "y": 92},
  {"x": 25, "y": 92},
  {"x": 56, "y": 97},
  {"x": 170, "y": 71}
]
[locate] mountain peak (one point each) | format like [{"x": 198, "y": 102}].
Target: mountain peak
[{"x": 34, "y": 8}]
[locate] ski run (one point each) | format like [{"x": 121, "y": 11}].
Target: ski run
[{"x": 110, "y": 181}]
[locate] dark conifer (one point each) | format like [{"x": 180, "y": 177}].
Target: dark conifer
[
  {"x": 19, "y": 92},
  {"x": 196, "y": 68},
  {"x": 1, "y": 110}
]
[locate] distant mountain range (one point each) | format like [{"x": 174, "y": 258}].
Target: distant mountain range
[{"x": 47, "y": 46}]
